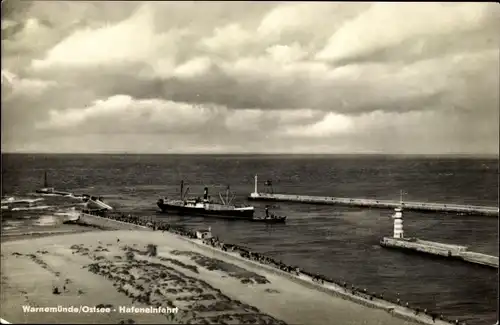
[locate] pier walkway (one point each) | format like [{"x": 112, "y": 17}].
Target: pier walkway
[
  {"x": 440, "y": 249},
  {"x": 373, "y": 203}
]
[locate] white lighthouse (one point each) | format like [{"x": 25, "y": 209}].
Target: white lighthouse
[
  {"x": 255, "y": 191},
  {"x": 398, "y": 223}
]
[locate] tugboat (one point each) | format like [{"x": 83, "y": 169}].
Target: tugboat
[
  {"x": 270, "y": 218},
  {"x": 205, "y": 207}
]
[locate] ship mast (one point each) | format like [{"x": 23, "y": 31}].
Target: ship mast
[
  {"x": 222, "y": 199},
  {"x": 45, "y": 182},
  {"x": 227, "y": 200}
]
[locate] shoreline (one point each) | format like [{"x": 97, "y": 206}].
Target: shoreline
[
  {"x": 309, "y": 281},
  {"x": 118, "y": 269},
  {"x": 332, "y": 289}
]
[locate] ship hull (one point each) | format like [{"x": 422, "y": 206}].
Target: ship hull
[
  {"x": 270, "y": 221},
  {"x": 44, "y": 192},
  {"x": 192, "y": 211}
]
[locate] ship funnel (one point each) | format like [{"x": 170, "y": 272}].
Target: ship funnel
[
  {"x": 205, "y": 193},
  {"x": 398, "y": 223}
]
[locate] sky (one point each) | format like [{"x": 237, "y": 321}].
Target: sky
[{"x": 262, "y": 77}]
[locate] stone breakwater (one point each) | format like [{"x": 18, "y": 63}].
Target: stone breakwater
[
  {"x": 89, "y": 219},
  {"x": 455, "y": 252},
  {"x": 383, "y": 204},
  {"x": 342, "y": 289}
]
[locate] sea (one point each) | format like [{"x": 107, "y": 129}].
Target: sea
[{"x": 338, "y": 242}]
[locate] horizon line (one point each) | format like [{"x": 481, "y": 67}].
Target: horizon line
[{"x": 254, "y": 153}]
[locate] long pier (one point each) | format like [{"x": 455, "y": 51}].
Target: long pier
[{"x": 372, "y": 203}]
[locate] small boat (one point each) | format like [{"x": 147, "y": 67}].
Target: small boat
[{"x": 270, "y": 219}]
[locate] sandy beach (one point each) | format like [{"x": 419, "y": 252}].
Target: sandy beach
[{"x": 113, "y": 269}]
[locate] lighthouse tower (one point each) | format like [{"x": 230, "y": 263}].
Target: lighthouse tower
[
  {"x": 255, "y": 192},
  {"x": 398, "y": 223}
]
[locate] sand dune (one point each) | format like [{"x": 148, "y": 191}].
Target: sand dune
[{"x": 116, "y": 269}]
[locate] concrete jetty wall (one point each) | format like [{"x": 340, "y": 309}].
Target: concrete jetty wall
[
  {"x": 372, "y": 203},
  {"x": 455, "y": 248},
  {"x": 419, "y": 247},
  {"x": 478, "y": 258},
  {"x": 439, "y": 249},
  {"x": 328, "y": 288},
  {"x": 109, "y": 224}
]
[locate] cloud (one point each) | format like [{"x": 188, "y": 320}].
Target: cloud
[
  {"x": 14, "y": 86},
  {"x": 26, "y": 37},
  {"x": 123, "y": 114},
  {"x": 129, "y": 41},
  {"x": 193, "y": 68},
  {"x": 383, "y": 77},
  {"x": 269, "y": 122},
  {"x": 229, "y": 41},
  {"x": 330, "y": 125},
  {"x": 306, "y": 23},
  {"x": 409, "y": 26}
]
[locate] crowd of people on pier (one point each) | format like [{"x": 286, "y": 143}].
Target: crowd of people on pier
[{"x": 159, "y": 225}]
